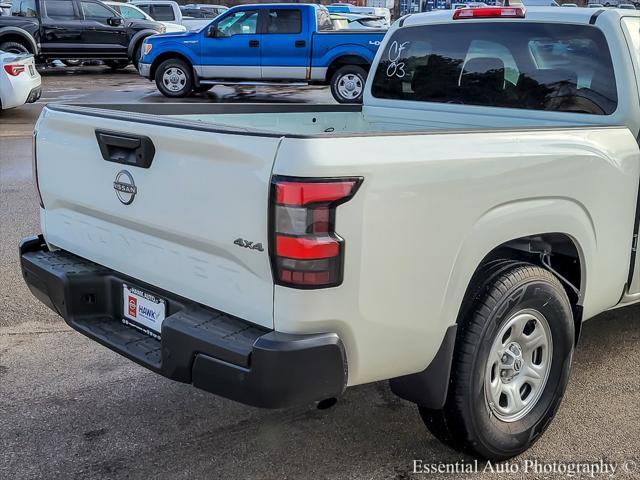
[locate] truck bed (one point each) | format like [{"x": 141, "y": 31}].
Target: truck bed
[{"x": 302, "y": 120}]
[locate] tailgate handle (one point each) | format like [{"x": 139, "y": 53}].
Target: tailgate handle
[{"x": 134, "y": 150}]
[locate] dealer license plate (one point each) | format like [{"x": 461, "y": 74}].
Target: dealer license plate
[{"x": 143, "y": 310}]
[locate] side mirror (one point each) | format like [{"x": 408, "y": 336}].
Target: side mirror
[{"x": 115, "y": 21}]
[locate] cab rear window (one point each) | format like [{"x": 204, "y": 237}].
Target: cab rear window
[{"x": 534, "y": 66}]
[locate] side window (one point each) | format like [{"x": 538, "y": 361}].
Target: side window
[
  {"x": 60, "y": 10},
  {"x": 323, "y": 18},
  {"x": 145, "y": 7},
  {"x": 284, "y": 21},
  {"x": 128, "y": 12},
  {"x": 239, "y": 23},
  {"x": 163, "y": 13},
  {"x": 24, "y": 8},
  {"x": 95, "y": 11}
]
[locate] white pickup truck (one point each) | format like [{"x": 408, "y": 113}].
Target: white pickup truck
[{"x": 449, "y": 235}]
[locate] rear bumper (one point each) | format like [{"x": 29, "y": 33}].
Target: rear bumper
[{"x": 212, "y": 350}]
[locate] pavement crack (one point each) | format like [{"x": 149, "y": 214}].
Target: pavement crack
[{"x": 42, "y": 332}]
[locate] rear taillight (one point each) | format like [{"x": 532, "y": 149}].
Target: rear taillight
[
  {"x": 14, "y": 69},
  {"x": 489, "y": 12},
  {"x": 305, "y": 250},
  {"x": 34, "y": 166}
]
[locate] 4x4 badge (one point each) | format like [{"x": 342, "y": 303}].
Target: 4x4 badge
[{"x": 247, "y": 244}]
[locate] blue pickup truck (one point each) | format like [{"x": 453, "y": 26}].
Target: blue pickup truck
[{"x": 265, "y": 42}]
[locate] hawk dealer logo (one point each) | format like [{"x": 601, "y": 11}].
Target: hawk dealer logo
[{"x": 125, "y": 187}]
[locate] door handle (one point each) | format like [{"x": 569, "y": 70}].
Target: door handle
[
  {"x": 254, "y": 43},
  {"x": 300, "y": 44},
  {"x": 135, "y": 150}
]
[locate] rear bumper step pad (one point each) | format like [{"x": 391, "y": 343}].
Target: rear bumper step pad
[{"x": 214, "y": 351}]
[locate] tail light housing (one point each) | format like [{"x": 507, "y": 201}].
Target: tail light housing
[
  {"x": 14, "y": 69},
  {"x": 306, "y": 252}
]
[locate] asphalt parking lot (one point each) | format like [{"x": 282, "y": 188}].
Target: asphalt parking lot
[{"x": 70, "y": 408}]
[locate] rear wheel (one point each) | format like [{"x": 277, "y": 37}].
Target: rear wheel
[
  {"x": 116, "y": 64},
  {"x": 174, "y": 78},
  {"x": 13, "y": 47},
  {"x": 347, "y": 84},
  {"x": 511, "y": 364}
]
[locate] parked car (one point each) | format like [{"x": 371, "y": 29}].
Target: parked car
[
  {"x": 5, "y": 8},
  {"x": 131, "y": 12},
  {"x": 19, "y": 80},
  {"x": 627, "y": 6},
  {"x": 595, "y": 5},
  {"x": 265, "y": 42},
  {"x": 202, "y": 10},
  {"x": 169, "y": 11},
  {"x": 451, "y": 235},
  {"x": 74, "y": 29},
  {"x": 348, "y": 8},
  {"x": 571, "y": 5},
  {"x": 359, "y": 21}
]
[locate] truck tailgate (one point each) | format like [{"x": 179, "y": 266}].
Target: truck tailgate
[{"x": 203, "y": 191}]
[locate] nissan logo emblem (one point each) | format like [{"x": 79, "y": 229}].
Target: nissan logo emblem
[{"x": 125, "y": 187}]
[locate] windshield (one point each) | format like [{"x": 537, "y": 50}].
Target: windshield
[
  {"x": 23, "y": 8},
  {"x": 534, "y": 66}
]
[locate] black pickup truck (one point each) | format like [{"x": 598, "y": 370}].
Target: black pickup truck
[{"x": 74, "y": 29}]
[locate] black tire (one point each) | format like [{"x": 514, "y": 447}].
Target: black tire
[
  {"x": 202, "y": 88},
  {"x": 185, "y": 83},
  {"x": 137, "y": 54},
  {"x": 467, "y": 422},
  {"x": 13, "y": 47},
  {"x": 72, "y": 62},
  {"x": 346, "y": 73},
  {"x": 116, "y": 64}
]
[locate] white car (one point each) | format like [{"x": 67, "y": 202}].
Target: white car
[
  {"x": 131, "y": 12},
  {"x": 20, "y": 82},
  {"x": 358, "y": 21},
  {"x": 168, "y": 11}
]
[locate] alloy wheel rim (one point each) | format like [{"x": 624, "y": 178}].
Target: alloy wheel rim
[{"x": 518, "y": 365}]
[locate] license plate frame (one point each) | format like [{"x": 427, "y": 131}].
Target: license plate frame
[{"x": 143, "y": 310}]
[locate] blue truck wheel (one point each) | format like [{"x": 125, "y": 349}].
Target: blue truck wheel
[{"x": 347, "y": 84}]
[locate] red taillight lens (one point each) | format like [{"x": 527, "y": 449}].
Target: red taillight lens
[
  {"x": 14, "y": 69},
  {"x": 305, "y": 250},
  {"x": 489, "y": 12}
]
